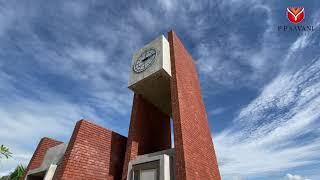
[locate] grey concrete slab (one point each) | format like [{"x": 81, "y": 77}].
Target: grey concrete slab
[{"x": 153, "y": 83}]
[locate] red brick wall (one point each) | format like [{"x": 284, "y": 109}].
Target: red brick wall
[
  {"x": 37, "y": 158},
  {"x": 149, "y": 131},
  {"x": 93, "y": 153},
  {"x": 195, "y": 155}
]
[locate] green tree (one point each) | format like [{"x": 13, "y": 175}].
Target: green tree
[
  {"x": 18, "y": 173},
  {"x": 4, "y": 152},
  {"x": 4, "y": 178}
]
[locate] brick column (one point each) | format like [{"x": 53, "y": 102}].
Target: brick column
[
  {"x": 149, "y": 131},
  {"x": 195, "y": 154},
  {"x": 37, "y": 158},
  {"x": 93, "y": 153}
]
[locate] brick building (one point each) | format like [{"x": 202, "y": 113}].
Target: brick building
[{"x": 167, "y": 103}]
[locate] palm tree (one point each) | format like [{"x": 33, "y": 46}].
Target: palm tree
[
  {"x": 4, "y": 151},
  {"x": 18, "y": 173}
]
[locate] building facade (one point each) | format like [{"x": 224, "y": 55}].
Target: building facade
[{"x": 167, "y": 104}]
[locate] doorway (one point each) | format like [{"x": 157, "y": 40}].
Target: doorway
[{"x": 146, "y": 171}]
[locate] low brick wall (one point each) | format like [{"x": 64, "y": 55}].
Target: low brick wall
[
  {"x": 37, "y": 158},
  {"x": 93, "y": 153}
]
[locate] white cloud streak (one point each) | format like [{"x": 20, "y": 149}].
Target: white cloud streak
[
  {"x": 220, "y": 59},
  {"x": 295, "y": 177},
  {"x": 30, "y": 108},
  {"x": 24, "y": 120},
  {"x": 267, "y": 133}
]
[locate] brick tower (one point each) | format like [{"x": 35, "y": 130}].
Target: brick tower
[
  {"x": 166, "y": 86},
  {"x": 165, "y": 82}
]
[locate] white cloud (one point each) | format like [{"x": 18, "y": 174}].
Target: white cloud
[
  {"x": 295, "y": 177},
  {"x": 167, "y": 5},
  {"x": 226, "y": 60},
  {"x": 30, "y": 107},
  {"x": 88, "y": 55},
  {"x": 25, "y": 119},
  {"x": 265, "y": 136},
  {"x": 303, "y": 40},
  {"x": 217, "y": 111},
  {"x": 146, "y": 19}
]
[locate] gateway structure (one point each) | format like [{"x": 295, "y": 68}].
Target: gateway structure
[{"x": 165, "y": 83}]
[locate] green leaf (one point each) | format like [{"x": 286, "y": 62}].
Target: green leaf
[
  {"x": 4, "y": 151},
  {"x": 18, "y": 173}
]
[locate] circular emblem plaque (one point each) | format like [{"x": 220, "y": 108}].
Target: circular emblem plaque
[{"x": 145, "y": 60}]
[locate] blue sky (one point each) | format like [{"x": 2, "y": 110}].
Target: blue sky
[{"x": 63, "y": 60}]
